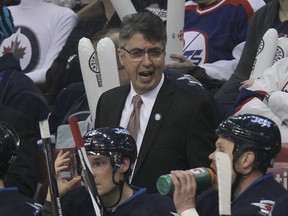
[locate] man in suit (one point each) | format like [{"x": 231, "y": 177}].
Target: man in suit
[{"x": 176, "y": 128}]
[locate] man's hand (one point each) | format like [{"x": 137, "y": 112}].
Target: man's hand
[
  {"x": 247, "y": 83},
  {"x": 184, "y": 190},
  {"x": 61, "y": 164},
  {"x": 182, "y": 62}
]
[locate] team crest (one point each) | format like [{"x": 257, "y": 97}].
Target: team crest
[
  {"x": 25, "y": 46},
  {"x": 195, "y": 46},
  {"x": 265, "y": 206}
]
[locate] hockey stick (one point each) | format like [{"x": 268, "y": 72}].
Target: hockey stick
[
  {"x": 174, "y": 26},
  {"x": 224, "y": 177},
  {"x": 55, "y": 198},
  {"x": 86, "y": 168}
]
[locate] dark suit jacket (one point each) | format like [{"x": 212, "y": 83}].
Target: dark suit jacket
[{"x": 182, "y": 139}]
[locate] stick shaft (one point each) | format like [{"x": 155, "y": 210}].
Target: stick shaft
[
  {"x": 86, "y": 169},
  {"x": 55, "y": 198}
]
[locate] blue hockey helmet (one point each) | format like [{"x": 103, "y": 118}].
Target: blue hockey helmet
[
  {"x": 253, "y": 132},
  {"x": 114, "y": 141},
  {"x": 9, "y": 142}
]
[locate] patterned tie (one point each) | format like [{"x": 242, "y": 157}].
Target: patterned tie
[{"x": 134, "y": 121}]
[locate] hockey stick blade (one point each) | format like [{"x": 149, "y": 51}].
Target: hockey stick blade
[{"x": 223, "y": 165}]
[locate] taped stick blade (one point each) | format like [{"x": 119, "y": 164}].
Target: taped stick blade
[{"x": 224, "y": 176}]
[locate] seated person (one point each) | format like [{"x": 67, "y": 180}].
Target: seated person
[
  {"x": 214, "y": 32},
  {"x": 252, "y": 143},
  {"x": 12, "y": 202},
  {"x": 267, "y": 96},
  {"x": 272, "y": 15},
  {"x": 111, "y": 153}
]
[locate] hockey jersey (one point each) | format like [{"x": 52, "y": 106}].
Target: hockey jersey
[
  {"x": 41, "y": 30},
  {"x": 212, "y": 33},
  {"x": 257, "y": 199},
  {"x": 13, "y": 203}
]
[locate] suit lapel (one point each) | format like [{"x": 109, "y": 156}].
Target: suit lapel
[
  {"x": 160, "y": 108},
  {"x": 118, "y": 107}
]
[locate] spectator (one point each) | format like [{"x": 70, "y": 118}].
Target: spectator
[
  {"x": 91, "y": 19},
  {"x": 252, "y": 143},
  {"x": 214, "y": 32},
  {"x": 111, "y": 153},
  {"x": 12, "y": 202},
  {"x": 41, "y": 31},
  {"x": 272, "y": 15},
  {"x": 267, "y": 96},
  {"x": 21, "y": 105},
  {"x": 173, "y": 121}
]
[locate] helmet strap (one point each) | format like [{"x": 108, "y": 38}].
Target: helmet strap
[{"x": 121, "y": 186}]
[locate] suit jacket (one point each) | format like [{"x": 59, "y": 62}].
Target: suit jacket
[{"x": 182, "y": 139}]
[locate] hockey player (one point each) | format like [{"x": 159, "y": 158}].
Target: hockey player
[
  {"x": 111, "y": 153},
  {"x": 12, "y": 202},
  {"x": 252, "y": 143}
]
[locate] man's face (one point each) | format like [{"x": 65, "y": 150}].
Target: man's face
[
  {"x": 226, "y": 146},
  {"x": 145, "y": 73},
  {"x": 103, "y": 174}
]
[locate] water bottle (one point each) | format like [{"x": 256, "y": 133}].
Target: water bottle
[{"x": 204, "y": 177}]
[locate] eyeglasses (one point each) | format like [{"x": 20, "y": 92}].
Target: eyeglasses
[{"x": 137, "y": 55}]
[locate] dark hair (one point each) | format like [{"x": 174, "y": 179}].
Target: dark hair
[{"x": 146, "y": 23}]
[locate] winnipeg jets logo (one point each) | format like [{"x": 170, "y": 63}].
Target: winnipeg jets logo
[
  {"x": 265, "y": 206},
  {"x": 24, "y": 45},
  {"x": 195, "y": 46}
]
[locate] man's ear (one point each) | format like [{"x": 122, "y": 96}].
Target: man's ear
[
  {"x": 125, "y": 164},
  {"x": 120, "y": 56},
  {"x": 247, "y": 160}
]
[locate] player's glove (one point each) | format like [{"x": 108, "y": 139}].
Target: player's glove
[{"x": 6, "y": 22}]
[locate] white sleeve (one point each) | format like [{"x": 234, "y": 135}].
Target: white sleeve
[
  {"x": 278, "y": 103},
  {"x": 223, "y": 69},
  {"x": 62, "y": 30},
  {"x": 190, "y": 212}
]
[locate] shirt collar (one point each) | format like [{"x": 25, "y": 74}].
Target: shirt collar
[{"x": 147, "y": 97}]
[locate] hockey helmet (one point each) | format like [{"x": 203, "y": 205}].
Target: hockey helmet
[
  {"x": 9, "y": 142},
  {"x": 114, "y": 141},
  {"x": 253, "y": 132}
]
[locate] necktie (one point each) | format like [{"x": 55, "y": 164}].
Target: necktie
[{"x": 134, "y": 121}]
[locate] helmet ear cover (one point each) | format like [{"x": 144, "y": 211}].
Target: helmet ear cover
[{"x": 9, "y": 144}]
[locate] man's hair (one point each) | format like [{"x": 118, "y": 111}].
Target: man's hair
[{"x": 146, "y": 23}]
